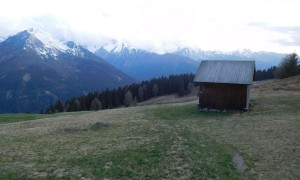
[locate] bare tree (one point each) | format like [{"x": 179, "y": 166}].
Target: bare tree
[
  {"x": 134, "y": 102},
  {"x": 141, "y": 93},
  {"x": 128, "y": 99},
  {"x": 155, "y": 90},
  {"x": 190, "y": 87},
  {"x": 76, "y": 105},
  {"x": 95, "y": 105}
]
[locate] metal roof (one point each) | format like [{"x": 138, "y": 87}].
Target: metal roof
[{"x": 232, "y": 72}]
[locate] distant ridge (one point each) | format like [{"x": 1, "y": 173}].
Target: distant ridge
[
  {"x": 262, "y": 59},
  {"x": 144, "y": 65},
  {"x": 181, "y": 60}
]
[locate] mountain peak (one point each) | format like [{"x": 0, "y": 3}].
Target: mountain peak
[
  {"x": 39, "y": 42},
  {"x": 76, "y": 49},
  {"x": 71, "y": 44},
  {"x": 35, "y": 31},
  {"x": 39, "y": 63},
  {"x": 44, "y": 44},
  {"x": 48, "y": 41},
  {"x": 120, "y": 49},
  {"x": 115, "y": 47}
]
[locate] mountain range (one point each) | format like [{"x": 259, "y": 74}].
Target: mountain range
[
  {"x": 144, "y": 65},
  {"x": 36, "y": 70},
  {"x": 262, "y": 59}
]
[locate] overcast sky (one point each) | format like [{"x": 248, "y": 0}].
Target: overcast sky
[{"x": 259, "y": 25}]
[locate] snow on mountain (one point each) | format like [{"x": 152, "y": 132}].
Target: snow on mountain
[
  {"x": 116, "y": 47},
  {"x": 76, "y": 49},
  {"x": 263, "y": 59},
  {"x": 36, "y": 69},
  {"x": 144, "y": 65},
  {"x": 46, "y": 45},
  {"x": 42, "y": 42},
  {"x": 47, "y": 39},
  {"x": 2, "y": 39}
]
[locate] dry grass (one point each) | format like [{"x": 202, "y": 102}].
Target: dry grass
[
  {"x": 291, "y": 84},
  {"x": 162, "y": 141},
  {"x": 174, "y": 98}
]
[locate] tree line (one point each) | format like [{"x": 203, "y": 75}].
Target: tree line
[
  {"x": 126, "y": 96},
  {"x": 265, "y": 73},
  {"x": 288, "y": 67}
]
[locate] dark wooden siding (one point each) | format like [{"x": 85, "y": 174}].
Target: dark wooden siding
[{"x": 222, "y": 96}]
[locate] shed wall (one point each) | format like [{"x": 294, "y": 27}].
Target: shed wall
[{"x": 222, "y": 96}]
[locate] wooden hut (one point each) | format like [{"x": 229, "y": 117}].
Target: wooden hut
[{"x": 225, "y": 84}]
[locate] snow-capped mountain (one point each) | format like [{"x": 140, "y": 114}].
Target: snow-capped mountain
[
  {"x": 143, "y": 65},
  {"x": 263, "y": 59},
  {"x": 76, "y": 50},
  {"x": 43, "y": 43},
  {"x": 36, "y": 69},
  {"x": 48, "y": 47}
]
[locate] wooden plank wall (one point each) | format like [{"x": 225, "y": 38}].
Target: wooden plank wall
[{"x": 222, "y": 96}]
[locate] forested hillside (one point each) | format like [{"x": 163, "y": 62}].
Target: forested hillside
[
  {"x": 138, "y": 92},
  {"x": 127, "y": 95}
]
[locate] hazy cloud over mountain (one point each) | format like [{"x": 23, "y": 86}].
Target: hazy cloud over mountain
[
  {"x": 161, "y": 25},
  {"x": 292, "y": 33}
]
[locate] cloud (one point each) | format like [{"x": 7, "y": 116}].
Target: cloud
[
  {"x": 291, "y": 33},
  {"x": 160, "y": 25}
]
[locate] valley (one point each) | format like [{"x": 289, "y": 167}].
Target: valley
[{"x": 145, "y": 89}]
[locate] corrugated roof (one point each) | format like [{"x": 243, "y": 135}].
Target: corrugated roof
[{"x": 232, "y": 72}]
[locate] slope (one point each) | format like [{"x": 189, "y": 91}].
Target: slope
[
  {"x": 162, "y": 141},
  {"x": 36, "y": 69}
]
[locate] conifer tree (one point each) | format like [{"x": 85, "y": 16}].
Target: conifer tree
[
  {"x": 288, "y": 67},
  {"x": 180, "y": 91}
]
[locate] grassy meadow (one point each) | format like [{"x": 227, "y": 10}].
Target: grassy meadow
[
  {"x": 12, "y": 118},
  {"x": 166, "y": 141}
]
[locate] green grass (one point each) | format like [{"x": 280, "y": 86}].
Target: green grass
[
  {"x": 11, "y": 118},
  {"x": 172, "y": 141},
  {"x": 186, "y": 111}
]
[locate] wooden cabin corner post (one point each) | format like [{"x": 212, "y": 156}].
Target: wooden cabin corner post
[
  {"x": 248, "y": 97},
  {"x": 199, "y": 95}
]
